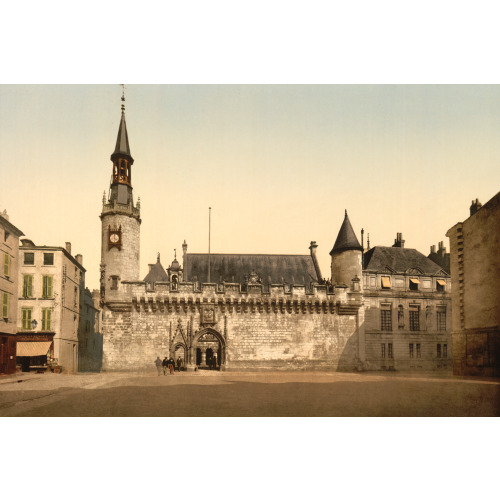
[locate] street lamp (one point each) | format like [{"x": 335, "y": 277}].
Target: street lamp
[{"x": 34, "y": 324}]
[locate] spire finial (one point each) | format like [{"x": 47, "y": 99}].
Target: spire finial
[
  {"x": 158, "y": 257},
  {"x": 123, "y": 97},
  {"x": 175, "y": 253},
  {"x": 346, "y": 212}
]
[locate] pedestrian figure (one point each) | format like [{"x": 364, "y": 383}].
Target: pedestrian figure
[
  {"x": 179, "y": 364},
  {"x": 165, "y": 365},
  {"x": 158, "y": 365},
  {"x": 214, "y": 361},
  {"x": 171, "y": 364}
]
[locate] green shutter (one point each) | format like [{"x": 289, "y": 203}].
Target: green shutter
[
  {"x": 5, "y": 305},
  {"x": 6, "y": 264},
  {"x": 46, "y": 318},
  {"x": 47, "y": 287},
  {"x": 27, "y": 286},
  {"x": 26, "y": 319}
]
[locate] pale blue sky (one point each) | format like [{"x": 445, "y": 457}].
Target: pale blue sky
[{"x": 278, "y": 164}]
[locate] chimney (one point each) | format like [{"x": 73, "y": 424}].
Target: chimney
[
  {"x": 399, "y": 242},
  {"x": 433, "y": 248},
  {"x": 79, "y": 258},
  {"x": 442, "y": 249},
  {"x": 475, "y": 206},
  {"x": 313, "y": 247},
  {"x": 68, "y": 247},
  {"x": 184, "y": 249}
]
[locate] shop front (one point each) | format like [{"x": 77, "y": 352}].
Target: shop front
[{"x": 35, "y": 352}]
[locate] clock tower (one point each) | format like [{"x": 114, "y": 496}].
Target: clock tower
[{"x": 120, "y": 231}]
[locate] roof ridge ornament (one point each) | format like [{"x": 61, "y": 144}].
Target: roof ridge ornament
[{"x": 123, "y": 97}]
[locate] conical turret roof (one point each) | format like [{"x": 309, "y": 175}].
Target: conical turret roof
[
  {"x": 346, "y": 239},
  {"x": 122, "y": 146}
]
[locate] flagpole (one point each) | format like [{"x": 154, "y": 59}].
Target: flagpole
[{"x": 209, "y": 221}]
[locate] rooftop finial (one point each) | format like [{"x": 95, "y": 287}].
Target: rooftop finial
[
  {"x": 346, "y": 212},
  {"x": 123, "y": 97},
  {"x": 158, "y": 257},
  {"x": 175, "y": 253}
]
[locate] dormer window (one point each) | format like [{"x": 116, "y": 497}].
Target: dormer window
[
  {"x": 414, "y": 284},
  {"x": 386, "y": 282},
  {"x": 440, "y": 285}
]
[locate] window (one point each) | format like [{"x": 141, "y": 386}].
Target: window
[
  {"x": 441, "y": 319},
  {"x": 114, "y": 282},
  {"x": 383, "y": 350},
  {"x": 76, "y": 296},
  {"x": 6, "y": 264},
  {"x": 389, "y": 350},
  {"x": 445, "y": 350},
  {"x": 5, "y": 305},
  {"x": 414, "y": 318},
  {"x": 29, "y": 258},
  {"x": 411, "y": 350},
  {"x": 440, "y": 285},
  {"x": 419, "y": 354},
  {"x": 47, "y": 287},
  {"x": 439, "y": 350},
  {"x": 386, "y": 318},
  {"x": 26, "y": 317},
  {"x": 27, "y": 286},
  {"x": 414, "y": 282},
  {"x": 46, "y": 319},
  {"x": 386, "y": 282},
  {"x": 48, "y": 259},
  {"x": 6, "y": 236}
]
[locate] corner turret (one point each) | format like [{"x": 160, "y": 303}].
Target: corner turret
[{"x": 346, "y": 257}]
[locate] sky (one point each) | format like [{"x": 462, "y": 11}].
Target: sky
[{"x": 278, "y": 164}]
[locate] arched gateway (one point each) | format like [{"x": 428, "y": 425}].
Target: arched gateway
[{"x": 208, "y": 350}]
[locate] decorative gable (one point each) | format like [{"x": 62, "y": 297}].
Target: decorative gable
[{"x": 414, "y": 270}]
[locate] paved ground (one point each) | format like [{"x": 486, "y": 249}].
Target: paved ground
[{"x": 217, "y": 394}]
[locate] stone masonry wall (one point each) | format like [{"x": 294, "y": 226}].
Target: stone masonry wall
[{"x": 276, "y": 330}]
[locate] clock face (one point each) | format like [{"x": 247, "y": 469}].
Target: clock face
[{"x": 114, "y": 238}]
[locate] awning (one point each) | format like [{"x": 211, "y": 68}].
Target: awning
[
  {"x": 32, "y": 348},
  {"x": 414, "y": 281},
  {"x": 386, "y": 282},
  {"x": 441, "y": 282}
]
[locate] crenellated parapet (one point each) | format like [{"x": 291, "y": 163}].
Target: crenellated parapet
[
  {"x": 113, "y": 208},
  {"x": 236, "y": 298}
]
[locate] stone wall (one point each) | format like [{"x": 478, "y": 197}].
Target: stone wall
[
  {"x": 279, "y": 329},
  {"x": 475, "y": 271}
]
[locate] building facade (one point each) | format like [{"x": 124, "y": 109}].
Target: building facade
[
  {"x": 407, "y": 310},
  {"x": 9, "y": 284},
  {"x": 244, "y": 312},
  {"x": 475, "y": 271},
  {"x": 52, "y": 283}
]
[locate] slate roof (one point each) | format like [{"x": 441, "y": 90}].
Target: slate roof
[
  {"x": 346, "y": 239},
  {"x": 400, "y": 260},
  {"x": 156, "y": 273},
  {"x": 233, "y": 268},
  {"x": 122, "y": 146}
]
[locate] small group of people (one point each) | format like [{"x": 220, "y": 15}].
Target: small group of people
[{"x": 167, "y": 365}]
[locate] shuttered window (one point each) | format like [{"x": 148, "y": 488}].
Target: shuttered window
[
  {"x": 26, "y": 317},
  {"x": 5, "y": 305},
  {"x": 6, "y": 264},
  {"x": 47, "y": 287},
  {"x": 27, "y": 286},
  {"x": 46, "y": 319}
]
